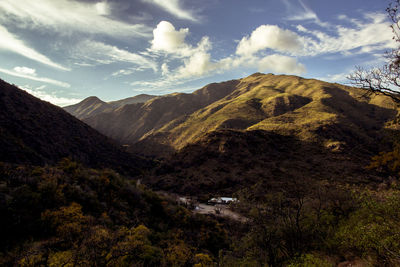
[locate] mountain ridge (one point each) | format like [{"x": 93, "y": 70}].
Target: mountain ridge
[
  {"x": 290, "y": 105},
  {"x": 36, "y": 132},
  {"x": 93, "y": 105}
]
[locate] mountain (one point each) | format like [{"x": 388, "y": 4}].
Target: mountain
[
  {"x": 87, "y": 107},
  {"x": 93, "y": 105},
  {"x": 334, "y": 115},
  {"x": 273, "y": 130},
  {"x": 36, "y": 132},
  {"x": 142, "y": 98},
  {"x": 129, "y": 123}
]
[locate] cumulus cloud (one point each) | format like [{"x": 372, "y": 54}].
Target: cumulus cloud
[
  {"x": 64, "y": 16},
  {"x": 174, "y": 7},
  {"x": 34, "y": 78},
  {"x": 101, "y": 53},
  {"x": 167, "y": 39},
  {"x": 12, "y": 43},
  {"x": 196, "y": 65},
  {"x": 281, "y": 64},
  {"x": 269, "y": 36},
  {"x": 196, "y": 59},
  {"x": 39, "y": 92}
]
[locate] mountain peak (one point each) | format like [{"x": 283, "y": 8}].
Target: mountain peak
[{"x": 91, "y": 99}]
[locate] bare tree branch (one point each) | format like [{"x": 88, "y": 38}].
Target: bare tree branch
[{"x": 383, "y": 80}]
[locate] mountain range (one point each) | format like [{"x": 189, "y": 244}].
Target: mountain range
[
  {"x": 263, "y": 129},
  {"x": 332, "y": 114}
]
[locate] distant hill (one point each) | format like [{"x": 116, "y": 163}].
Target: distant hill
[
  {"x": 142, "y": 98},
  {"x": 93, "y": 105},
  {"x": 129, "y": 123},
  {"x": 36, "y": 132}
]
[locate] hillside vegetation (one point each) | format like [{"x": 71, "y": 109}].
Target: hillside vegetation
[
  {"x": 312, "y": 110},
  {"x": 36, "y": 132},
  {"x": 68, "y": 215}
]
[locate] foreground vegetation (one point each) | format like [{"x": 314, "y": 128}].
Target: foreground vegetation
[{"x": 69, "y": 215}]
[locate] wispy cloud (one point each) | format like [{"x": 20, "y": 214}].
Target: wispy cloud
[
  {"x": 336, "y": 78},
  {"x": 25, "y": 71},
  {"x": 175, "y": 8},
  {"x": 299, "y": 11},
  {"x": 100, "y": 53},
  {"x": 66, "y": 16},
  {"x": 21, "y": 72},
  {"x": 52, "y": 97},
  {"x": 12, "y": 43},
  {"x": 123, "y": 72},
  {"x": 360, "y": 39}
]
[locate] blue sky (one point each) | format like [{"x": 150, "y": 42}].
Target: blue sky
[{"x": 64, "y": 50}]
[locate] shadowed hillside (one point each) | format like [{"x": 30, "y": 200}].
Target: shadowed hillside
[
  {"x": 226, "y": 161},
  {"x": 36, "y": 132}
]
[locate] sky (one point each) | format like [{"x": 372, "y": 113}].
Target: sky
[{"x": 63, "y": 51}]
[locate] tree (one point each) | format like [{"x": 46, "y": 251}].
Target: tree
[{"x": 386, "y": 79}]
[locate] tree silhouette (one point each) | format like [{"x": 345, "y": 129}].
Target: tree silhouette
[{"x": 385, "y": 79}]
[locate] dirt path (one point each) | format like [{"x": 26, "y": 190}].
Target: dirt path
[{"x": 224, "y": 212}]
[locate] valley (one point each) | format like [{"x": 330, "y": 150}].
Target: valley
[{"x": 300, "y": 156}]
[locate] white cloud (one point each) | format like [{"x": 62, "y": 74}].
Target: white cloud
[
  {"x": 12, "y": 43},
  {"x": 25, "y": 70},
  {"x": 269, "y": 36},
  {"x": 102, "y": 8},
  {"x": 35, "y": 78},
  {"x": 164, "y": 69},
  {"x": 101, "y": 53},
  {"x": 196, "y": 59},
  {"x": 167, "y": 39},
  {"x": 174, "y": 7},
  {"x": 196, "y": 65},
  {"x": 301, "y": 12},
  {"x": 197, "y": 62},
  {"x": 363, "y": 37},
  {"x": 64, "y": 16},
  {"x": 49, "y": 97},
  {"x": 123, "y": 72},
  {"x": 281, "y": 64},
  {"x": 336, "y": 78}
]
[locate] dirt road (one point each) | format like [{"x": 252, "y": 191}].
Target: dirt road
[{"x": 223, "y": 211}]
